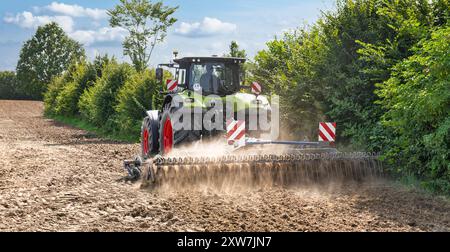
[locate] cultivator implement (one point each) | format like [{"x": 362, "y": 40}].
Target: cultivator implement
[
  {"x": 251, "y": 161},
  {"x": 260, "y": 169}
]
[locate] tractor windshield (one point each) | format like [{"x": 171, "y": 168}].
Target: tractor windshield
[{"x": 214, "y": 78}]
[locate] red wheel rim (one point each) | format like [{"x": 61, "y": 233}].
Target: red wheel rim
[
  {"x": 145, "y": 141},
  {"x": 168, "y": 136}
]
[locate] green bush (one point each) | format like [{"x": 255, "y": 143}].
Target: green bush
[
  {"x": 332, "y": 70},
  {"x": 54, "y": 89},
  {"x": 97, "y": 104},
  {"x": 67, "y": 100},
  {"x": 417, "y": 99},
  {"x": 83, "y": 75},
  {"x": 8, "y": 85},
  {"x": 100, "y": 62},
  {"x": 139, "y": 94}
]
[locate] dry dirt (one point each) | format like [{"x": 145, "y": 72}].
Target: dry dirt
[{"x": 57, "y": 178}]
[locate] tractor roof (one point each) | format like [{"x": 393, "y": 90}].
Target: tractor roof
[{"x": 210, "y": 59}]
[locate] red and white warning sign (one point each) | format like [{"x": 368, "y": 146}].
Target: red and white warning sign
[
  {"x": 236, "y": 132},
  {"x": 256, "y": 88},
  {"x": 327, "y": 132},
  {"x": 172, "y": 85}
]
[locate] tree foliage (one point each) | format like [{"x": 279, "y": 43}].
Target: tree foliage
[
  {"x": 105, "y": 94},
  {"x": 235, "y": 51},
  {"x": 97, "y": 103},
  {"x": 417, "y": 100},
  {"x": 46, "y": 55},
  {"x": 82, "y": 76},
  {"x": 290, "y": 69},
  {"x": 9, "y": 86},
  {"x": 64, "y": 91},
  {"x": 139, "y": 94},
  {"x": 147, "y": 24},
  {"x": 54, "y": 89},
  {"x": 339, "y": 68}
]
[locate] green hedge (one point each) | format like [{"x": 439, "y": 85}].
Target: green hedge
[
  {"x": 97, "y": 104},
  {"x": 10, "y": 87},
  {"x": 83, "y": 76},
  {"x": 54, "y": 89},
  {"x": 417, "y": 99},
  {"x": 377, "y": 68},
  {"x": 139, "y": 94},
  {"x": 105, "y": 94}
]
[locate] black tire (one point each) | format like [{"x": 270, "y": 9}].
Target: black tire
[
  {"x": 150, "y": 125},
  {"x": 180, "y": 136}
]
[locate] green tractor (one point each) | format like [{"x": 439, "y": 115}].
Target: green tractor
[
  {"x": 205, "y": 101},
  {"x": 205, "y": 86}
]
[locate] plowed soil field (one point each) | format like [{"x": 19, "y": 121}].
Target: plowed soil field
[{"x": 57, "y": 178}]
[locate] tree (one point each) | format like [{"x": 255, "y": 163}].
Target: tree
[
  {"x": 333, "y": 67},
  {"x": 147, "y": 24},
  {"x": 100, "y": 62},
  {"x": 288, "y": 68},
  {"x": 380, "y": 69},
  {"x": 8, "y": 85},
  {"x": 348, "y": 72},
  {"x": 417, "y": 100},
  {"x": 45, "y": 56},
  {"x": 235, "y": 52}
]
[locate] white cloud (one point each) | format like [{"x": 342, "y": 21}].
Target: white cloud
[
  {"x": 208, "y": 27},
  {"x": 88, "y": 37},
  {"x": 105, "y": 34},
  {"x": 28, "y": 20},
  {"x": 76, "y": 11}
]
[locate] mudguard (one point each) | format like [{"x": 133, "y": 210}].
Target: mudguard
[{"x": 153, "y": 114}]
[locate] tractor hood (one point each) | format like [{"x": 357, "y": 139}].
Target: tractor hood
[
  {"x": 239, "y": 100},
  {"x": 243, "y": 100}
]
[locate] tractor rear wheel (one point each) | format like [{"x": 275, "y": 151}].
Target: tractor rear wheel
[
  {"x": 166, "y": 134},
  {"x": 169, "y": 136},
  {"x": 150, "y": 136}
]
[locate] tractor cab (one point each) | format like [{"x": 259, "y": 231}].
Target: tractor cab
[{"x": 220, "y": 76}]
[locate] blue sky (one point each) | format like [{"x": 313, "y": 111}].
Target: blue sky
[{"x": 204, "y": 27}]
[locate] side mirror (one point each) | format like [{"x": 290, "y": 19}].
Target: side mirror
[{"x": 159, "y": 74}]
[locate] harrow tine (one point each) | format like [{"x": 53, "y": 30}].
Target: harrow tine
[
  {"x": 346, "y": 168},
  {"x": 328, "y": 170},
  {"x": 308, "y": 169},
  {"x": 316, "y": 169}
]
